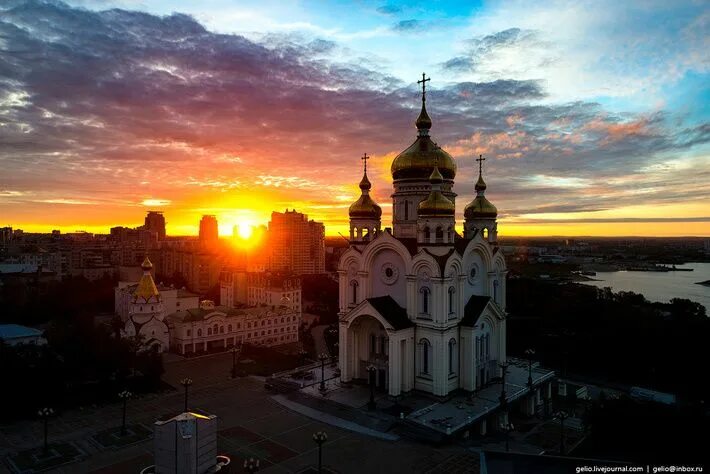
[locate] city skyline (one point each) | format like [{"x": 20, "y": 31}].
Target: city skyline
[{"x": 591, "y": 117}]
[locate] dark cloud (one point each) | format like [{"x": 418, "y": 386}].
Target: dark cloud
[
  {"x": 389, "y": 9},
  {"x": 102, "y": 101},
  {"x": 408, "y": 26}
]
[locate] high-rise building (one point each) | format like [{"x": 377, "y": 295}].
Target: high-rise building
[
  {"x": 296, "y": 245},
  {"x": 155, "y": 222},
  {"x": 209, "y": 232}
]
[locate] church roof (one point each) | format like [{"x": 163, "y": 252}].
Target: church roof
[
  {"x": 473, "y": 309},
  {"x": 391, "y": 311}
]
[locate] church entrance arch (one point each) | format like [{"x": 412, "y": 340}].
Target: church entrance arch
[{"x": 370, "y": 349}]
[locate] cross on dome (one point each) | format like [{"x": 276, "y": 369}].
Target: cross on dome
[
  {"x": 480, "y": 160},
  {"x": 364, "y": 158},
  {"x": 423, "y": 83}
]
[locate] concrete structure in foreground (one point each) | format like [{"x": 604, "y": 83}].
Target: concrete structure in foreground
[{"x": 186, "y": 444}]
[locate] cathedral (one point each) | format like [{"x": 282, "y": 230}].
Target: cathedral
[{"x": 421, "y": 306}]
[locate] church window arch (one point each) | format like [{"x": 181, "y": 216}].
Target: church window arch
[
  {"x": 495, "y": 291},
  {"x": 439, "y": 234},
  {"x": 485, "y": 232},
  {"x": 425, "y": 356},
  {"x": 215, "y": 329},
  {"x": 189, "y": 333},
  {"x": 452, "y": 300},
  {"x": 353, "y": 291},
  {"x": 199, "y": 333},
  {"x": 452, "y": 356},
  {"x": 425, "y": 299},
  {"x": 427, "y": 234},
  {"x": 406, "y": 210}
]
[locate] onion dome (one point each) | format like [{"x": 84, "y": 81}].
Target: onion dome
[
  {"x": 436, "y": 205},
  {"x": 480, "y": 207},
  {"x": 420, "y": 158},
  {"x": 365, "y": 207},
  {"x": 146, "y": 288}
]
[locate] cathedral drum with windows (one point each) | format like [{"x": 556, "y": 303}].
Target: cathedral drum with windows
[{"x": 420, "y": 303}]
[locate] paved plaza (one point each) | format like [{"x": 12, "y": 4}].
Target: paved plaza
[{"x": 251, "y": 424}]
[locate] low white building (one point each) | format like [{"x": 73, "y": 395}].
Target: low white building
[{"x": 213, "y": 328}]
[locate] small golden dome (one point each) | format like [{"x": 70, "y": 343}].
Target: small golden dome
[
  {"x": 365, "y": 207},
  {"x": 436, "y": 204},
  {"x": 480, "y": 184},
  {"x": 480, "y": 207},
  {"x": 423, "y": 121}
]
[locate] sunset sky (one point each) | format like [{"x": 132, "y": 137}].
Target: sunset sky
[{"x": 594, "y": 116}]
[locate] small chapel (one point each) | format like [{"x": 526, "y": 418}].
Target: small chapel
[{"x": 422, "y": 307}]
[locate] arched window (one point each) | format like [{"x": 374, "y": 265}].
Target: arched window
[
  {"x": 199, "y": 333},
  {"x": 215, "y": 329},
  {"x": 495, "y": 291},
  {"x": 425, "y": 356},
  {"x": 485, "y": 232},
  {"x": 427, "y": 234},
  {"x": 425, "y": 300},
  {"x": 439, "y": 235},
  {"x": 189, "y": 333},
  {"x": 452, "y": 300},
  {"x": 353, "y": 291},
  {"x": 452, "y": 356},
  {"x": 406, "y": 210}
]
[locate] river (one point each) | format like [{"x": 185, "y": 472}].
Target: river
[{"x": 661, "y": 286}]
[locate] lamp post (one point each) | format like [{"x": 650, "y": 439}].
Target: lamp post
[
  {"x": 45, "y": 413},
  {"x": 124, "y": 395},
  {"x": 251, "y": 465},
  {"x": 504, "y": 371},
  {"x": 508, "y": 428},
  {"x": 371, "y": 369},
  {"x": 322, "y": 358},
  {"x": 186, "y": 382},
  {"x": 235, "y": 352},
  {"x": 562, "y": 415},
  {"x": 530, "y": 353},
  {"x": 320, "y": 438}
]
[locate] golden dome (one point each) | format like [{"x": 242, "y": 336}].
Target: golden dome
[
  {"x": 420, "y": 158},
  {"x": 436, "y": 204},
  {"x": 480, "y": 207},
  {"x": 146, "y": 288},
  {"x": 365, "y": 207}
]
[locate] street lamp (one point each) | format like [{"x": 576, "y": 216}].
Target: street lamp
[
  {"x": 371, "y": 369},
  {"x": 320, "y": 438},
  {"x": 504, "y": 370},
  {"x": 186, "y": 382},
  {"x": 530, "y": 353},
  {"x": 508, "y": 428},
  {"x": 562, "y": 415},
  {"x": 45, "y": 413},
  {"x": 124, "y": 395},
  {"x": 251, "y": 465},
  {"x": 322, "y": 358},
  {"x": 235, "y": 352}
]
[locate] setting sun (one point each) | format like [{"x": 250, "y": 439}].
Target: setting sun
[{"x": 244, "y": 230}]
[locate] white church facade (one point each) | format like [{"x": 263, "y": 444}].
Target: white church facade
[{"x": 422, "y": 307}]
